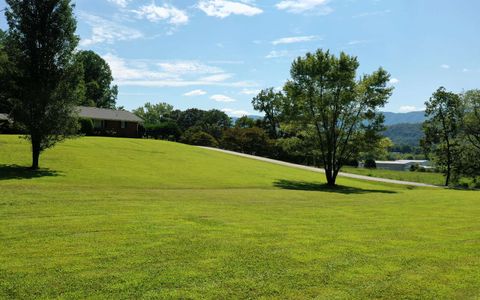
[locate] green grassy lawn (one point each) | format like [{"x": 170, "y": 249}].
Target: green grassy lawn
[
  {"x": 423, "y": 177},
  {"x": 119, "y": 218}
]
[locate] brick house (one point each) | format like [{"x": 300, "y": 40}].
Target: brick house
[{"x": 112, "y": 122}]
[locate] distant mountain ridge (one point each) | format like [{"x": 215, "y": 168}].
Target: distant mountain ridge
[{"x": 413, "y": 117}]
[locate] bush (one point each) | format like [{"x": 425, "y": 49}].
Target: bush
[
  {"x": 247, "y": 140},
  {"x": 86, "y": 126},
  {"x": 194, "y": 136},
  {"x": 370, "y": 164},
  {"x": 168, "y": 130}
]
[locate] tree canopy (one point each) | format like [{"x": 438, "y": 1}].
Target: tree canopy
[
  {"x": 335, "y": 110},
  {"x": 97, "y": 77}
]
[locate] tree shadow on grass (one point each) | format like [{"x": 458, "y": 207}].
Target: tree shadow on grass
[
  {"x": 322, "y": 187},
  {"x": 19, "y": 172}
]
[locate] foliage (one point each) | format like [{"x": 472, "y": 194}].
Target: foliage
[
  {"x": 247, "y": 140},
  {"x": 245, "y": 122},
  {"x": 340, "y": 112},
  {"x": 471, "y": 100},
  {"x": 189, "y": 118},
  {"x": 86, "y": 126},
  {"x": 195, "y": 136},
  {"x": 214, "y": 122},
  {"x": 45, "y": 82},
  {"x": 270, "y": 102},
  {"x": 97, "y": 77},
  {"x": 405, "y": 136},
  {"x": 153, "y": 114},
  {"x": 443, "y": 127},
  {"x": 167, "y": 130},
  {"x": 370, "y": 163}
]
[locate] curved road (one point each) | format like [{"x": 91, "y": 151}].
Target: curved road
[{"x": 313, "y": 169}]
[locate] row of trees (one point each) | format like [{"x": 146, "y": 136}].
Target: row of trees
[
  {"x": 43, "y": 77},
  {"x": 452, "y": 134},
  {"x": 204, "y": 128},
  {"x": 325, "y": 112}
]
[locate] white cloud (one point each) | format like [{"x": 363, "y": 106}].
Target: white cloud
[
  {"x": 373, "y": 13},
  {"x": 394, "y": 81},
  {"x": 195, "y": 93},
  {"x": 121, "y": 3},
  {"x": 357, "y": 42},
  {"x": 186, "y": 67},
  {"x": 445, "y": 66},
  {"x": 250, "y": 92},
  {"x": 409, "y": 108},
  {"x": 294, "y": 39},
  {"x": 166, "y": 12},
  {"x": 222, "y": 98},
  {"x": 465, "y": 70},
  {"x": 277, "y": 54},
  {"x": 224, "y": 8},
  {"x": 149, "y": 73},
  {"x": 106, "y": 31},
  {"x": 235, "y": 113},
  {"x": 300, "y": 6}
]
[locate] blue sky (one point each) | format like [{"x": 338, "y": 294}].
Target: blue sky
[{"x": 218, "y": 54}]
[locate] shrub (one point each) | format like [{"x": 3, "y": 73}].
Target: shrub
[
  {"x": 194, "y": 136},
  {"x": 370, "y": 164},
  {"x": 86, "y": 126},
  {"x": 168, "y": 130},
  {"x": 247, "y": 140}
]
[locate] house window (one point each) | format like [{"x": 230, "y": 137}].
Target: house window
[{"x": 123, "y": 124}]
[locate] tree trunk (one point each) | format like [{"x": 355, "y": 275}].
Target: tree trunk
[
  {"x": 447, "y": 180},
  {"x": 330, "y": 177},
  {"x": 35, "y": 153}
]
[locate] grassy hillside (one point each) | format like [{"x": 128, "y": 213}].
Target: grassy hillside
[{"x": 117, "y": 218}]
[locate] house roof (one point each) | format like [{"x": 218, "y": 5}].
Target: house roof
[{"x": 96, "y": 113}]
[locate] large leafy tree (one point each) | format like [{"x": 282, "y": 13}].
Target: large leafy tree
[
  {"x": 335, "y": 110},
  {"x": 97, "y": 77},
  {"x": 443, "y": 129},
  {"x": 270, "y": 103},
  {"x": 45, "y": 81}
]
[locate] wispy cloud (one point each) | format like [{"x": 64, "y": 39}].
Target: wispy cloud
[
  {"x": 223, "y": 8},
  {"x": 165, "y": 12},
  {"x": 250, "y": 92},
  {"x": 121, "y": 3},
  {"x": 222, "y": 98},
  {"x": 149, "y": 73},
  {"x": 445, "y": 66},
  {"x": 277, "y": 54},
  {"x": 357, "y": 42},
  {"x": 195, "y": 93},
  {"x": 373, "y": 13},
  {"x": 106, "y": 31},
  {"x": 301, "y": 6},
  {"x": 295, "y": 39}
]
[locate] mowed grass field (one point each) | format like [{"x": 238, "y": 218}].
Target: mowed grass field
[
  {"x": 120, "y": 218},
  {"x": 423, "y": 177}
]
